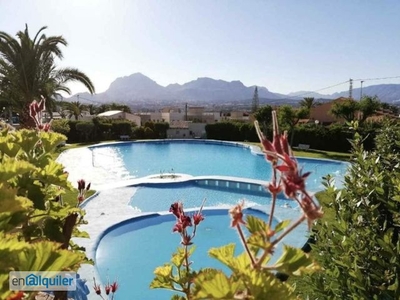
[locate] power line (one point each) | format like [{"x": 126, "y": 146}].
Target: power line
[
  {"x": 379, "y": 78},
  {"x": 316, "y": 91}
]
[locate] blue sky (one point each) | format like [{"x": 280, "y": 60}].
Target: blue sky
[{"x": 286, "y": 46}]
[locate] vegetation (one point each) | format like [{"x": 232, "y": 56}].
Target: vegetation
[
  {"x": 28, "y": 71},
  {"x": 255, "y": 102},
  {"x": 308, "y": 103},
  {"x": 359, "y": 248},
  {"x": 36, "y": 226}
]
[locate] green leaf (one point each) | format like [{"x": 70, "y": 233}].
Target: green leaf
[
  {"x": 10, "y": 168},
  {"x": 282, "y": 225},
  {"x": 259, "y": 240},
  {"x": 224, "y": 254},
  {"x": 215, "y": 285},
  {"x": 178, "y": 257},
  {"x": 9, "y": 148},
  {"x": 295, "y": 262},
  {"x": 163, "y": 279},
  {"x": 255, "y": 224}
]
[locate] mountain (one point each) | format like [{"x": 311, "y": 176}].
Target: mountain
[
  {"x": 303, "y": 94},
  {"x": 139, "y": 90},
  {"x": 386, "y": 92}
]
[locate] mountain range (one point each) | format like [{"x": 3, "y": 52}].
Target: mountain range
[{"x": 138, "y": 89}]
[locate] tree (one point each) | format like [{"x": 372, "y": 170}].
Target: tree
[
  {"x": 256, "y": 101},
  {"x": 92, "y": 109},
  {"x": 345, "y": 109},
  {"x": 308, "y": 102},
  {"x": 117, "y": 106},
  {"x": 28, "y": 71},
  {"x": 288, "y": 116},
  {"x": 367, "y": 106},
  {"x": 264, "y": 116},
  {"x": 75, "y": 109}
]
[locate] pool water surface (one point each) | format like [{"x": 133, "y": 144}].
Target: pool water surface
[
  {"x": 131, "y": 251},
  {"x": 203, "y": 158}
]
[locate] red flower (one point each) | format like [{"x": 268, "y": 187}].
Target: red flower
[
  {"x": 114, "y": 287},
  {"x": 81, "y": 184},
  {"x": 177, "y": 209},
  {"x": 97, "y": 288},
  {"x": 186, "y": 240},
  {"x": 178, "y": 227},
  {"x": 274, "y": 189},
  {"x": 237, "y": 214},
  {"x": 186, "y": 221},
  {"x": 197, "y": 218},
  {"x": 107, "y": 288}
]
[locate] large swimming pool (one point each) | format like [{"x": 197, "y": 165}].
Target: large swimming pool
[
  {"x": 223, "y": 173},
  {"x": 202, "y": 158}
]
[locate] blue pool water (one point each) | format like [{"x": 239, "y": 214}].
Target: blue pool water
[
  {"x": 159, "y": 197},
  {"x": 205, "y": 158},
  {"x": 133, "y": 250}
]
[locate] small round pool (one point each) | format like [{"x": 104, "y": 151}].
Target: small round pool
[{"x": 130, "y": 251}]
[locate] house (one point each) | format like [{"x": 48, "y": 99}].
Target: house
[
  {"x": 121, "y": 115},
  {"x": 179, "y": 130},
  {"x": 186, "y": 130},
  {"x": 321, "y": 113}
]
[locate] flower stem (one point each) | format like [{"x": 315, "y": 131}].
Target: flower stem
[
  {"x": 286, "y": 232},
  {"x": 289, "y": 229},
  {"x": 246, "y": 247}
]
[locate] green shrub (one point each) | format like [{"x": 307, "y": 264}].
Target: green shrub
[
  {"x": 35, "y": 225},
  {"x": 60, "y": 126},
  {"x": 360, "y": 250}
]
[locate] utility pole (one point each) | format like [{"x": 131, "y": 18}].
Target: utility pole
[
  {"x": 351, "y": 89},
  {"x": 186, "y": 109},
  {"x": 361, "y": 89}
]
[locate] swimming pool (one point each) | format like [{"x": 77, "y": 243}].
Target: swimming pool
[
  {"x": 202, "y": 158},
  {"x": 231, "y": 172},
  {"x": 132, "y": 250}
]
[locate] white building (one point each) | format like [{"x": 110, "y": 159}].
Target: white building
[{"x": 118, "y": 114}]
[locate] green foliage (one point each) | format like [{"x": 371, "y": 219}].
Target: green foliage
[
  {"x": 308, "y": 103},
  {"x": 33, "y": 224},
  {"x": 231, "y": 131},
  {"x": 28, "y": 70},
  {"x": 60, "y": 126},
  {"x": 367, "y": 106},
  {"x": 359, "y": 249},
  {"x": 249, "y": 281},
  {"x": 264, "y": 116},
  {"x": 345, "y": 109}
]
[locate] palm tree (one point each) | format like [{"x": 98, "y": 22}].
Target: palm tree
[
  {"x": 307, "y": 102},
  {"x": 75, "y": 109},
  {"x": 28, "y": 71}
]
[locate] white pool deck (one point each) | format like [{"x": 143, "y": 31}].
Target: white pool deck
[{"x": 110, "y": 205}]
